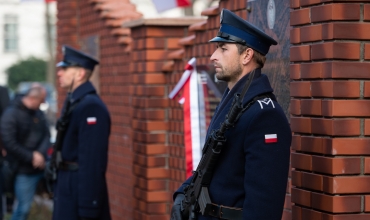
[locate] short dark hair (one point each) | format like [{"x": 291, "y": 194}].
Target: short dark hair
[
  {"x": 258, "y": 57},
  {"x": 88, "y": 73}
]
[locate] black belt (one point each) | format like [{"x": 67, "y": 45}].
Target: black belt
[
  {"x": 225, "y": 212},
  {"x": 68, "y": 166}
]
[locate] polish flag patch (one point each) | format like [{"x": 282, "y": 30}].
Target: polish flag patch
[
  {"x": 91, "y": 120},
  {"x": 270, "y": 138}
]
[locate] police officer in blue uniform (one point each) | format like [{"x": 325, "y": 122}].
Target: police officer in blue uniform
[
  {"x": 80, "y": 191},
  {"x": 250, "y": 178}
]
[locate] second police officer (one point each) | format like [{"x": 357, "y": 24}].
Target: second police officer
[{"x": 80, "y": 191}]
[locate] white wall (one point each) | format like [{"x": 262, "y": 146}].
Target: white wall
[
  {"x": 31, "y": 31},
  {"x": 147, "y": 8}
]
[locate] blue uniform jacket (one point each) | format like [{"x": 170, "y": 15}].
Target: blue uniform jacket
[
  {"x": 251, "y": 174},
  {"x": 83, "y": 193}
]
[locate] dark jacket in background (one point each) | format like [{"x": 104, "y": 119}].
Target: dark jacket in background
[
  {"x": 4, "y": 99},
  {"x": 4, "y": 103},
  {"x": 24, "y": 131}
]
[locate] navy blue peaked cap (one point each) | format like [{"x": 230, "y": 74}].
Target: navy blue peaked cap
[
  {"x": 73, "y": 57},
  {"x": 234, "y": 29}
]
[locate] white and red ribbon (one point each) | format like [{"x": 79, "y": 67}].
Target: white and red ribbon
[
  {"x": 189, "y": 69},
  {"x": 194, "y": 114}
]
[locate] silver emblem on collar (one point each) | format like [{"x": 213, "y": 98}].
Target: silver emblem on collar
[{"x": 266, "y": 101}]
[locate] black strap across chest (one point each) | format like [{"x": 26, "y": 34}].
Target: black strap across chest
[{"x": 67, "y": 116}]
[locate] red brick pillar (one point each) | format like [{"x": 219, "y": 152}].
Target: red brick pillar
[
  {"x": 330, "y": 109},
  {"x": 153, "y": 40}
]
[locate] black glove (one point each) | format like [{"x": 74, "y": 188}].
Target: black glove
[{"x": 176, "y": 208}]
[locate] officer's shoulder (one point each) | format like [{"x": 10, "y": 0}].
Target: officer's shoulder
[
  {"x": 91, "y": 101},
  {"x": 265, "y": 103},
  {"x": 265, "y": 107}
]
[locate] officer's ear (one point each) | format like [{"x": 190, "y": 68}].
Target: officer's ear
[
  {"x": 247, "y": 56},
  {"x": 81, "y": 74}
]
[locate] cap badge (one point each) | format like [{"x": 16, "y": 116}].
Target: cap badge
[
  {"x": 221, "y": 16},
  {"x": 271, "y": 13}
]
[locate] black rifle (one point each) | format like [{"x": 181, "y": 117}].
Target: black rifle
[
  {"x": 56, "y": 158},
  {"x": 196, "y": 193}
]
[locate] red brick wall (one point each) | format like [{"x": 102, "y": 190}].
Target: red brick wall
[
  {"x": 151, "y": 118},
  {"x": 329, "y": 107}
]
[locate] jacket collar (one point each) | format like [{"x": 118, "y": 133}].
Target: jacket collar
[
  {"x": 259, "y": 85},
  {"x": 19, "y": 104},
  {"x": 82, "y": 90}
]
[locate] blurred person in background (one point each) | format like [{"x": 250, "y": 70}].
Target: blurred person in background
[
  {"x": 26, "y": 138},
  {"x": 80, "y": 191},
  {"x": 4, "y": 99},
  {"x": 4, "y": 102}
]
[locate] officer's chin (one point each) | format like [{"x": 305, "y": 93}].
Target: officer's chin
[
  {"x": 220, "y": 78},
  {"x": 63, "y": 86}
]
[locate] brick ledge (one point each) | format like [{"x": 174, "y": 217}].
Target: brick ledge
[{"x": 185, "y": 21}]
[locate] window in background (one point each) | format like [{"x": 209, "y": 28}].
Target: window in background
[{"x": 10, "y": 33}]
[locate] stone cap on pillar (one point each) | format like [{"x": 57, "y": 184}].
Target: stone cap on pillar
[{"x": 183, "y": 21}]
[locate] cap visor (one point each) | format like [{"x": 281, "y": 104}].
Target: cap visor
[
  {"x": 220, "y": 39},
  {"x": 62, "y": 64}
]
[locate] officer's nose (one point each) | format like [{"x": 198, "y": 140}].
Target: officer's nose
[
  {"x": 213, "y": 57},
  {"x": 60, "y": 72}
]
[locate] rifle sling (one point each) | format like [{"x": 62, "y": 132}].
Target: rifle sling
[
  {"x": 225, "y": 212},
  {"x": 71, "y": 108}
]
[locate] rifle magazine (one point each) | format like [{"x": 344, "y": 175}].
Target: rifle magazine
[{"x": 204, "y": 201}]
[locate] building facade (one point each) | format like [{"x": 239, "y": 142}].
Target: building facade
[{"x": 23, "y": 31}]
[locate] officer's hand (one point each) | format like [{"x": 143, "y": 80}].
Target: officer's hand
[{"x": 176, "y": 208}]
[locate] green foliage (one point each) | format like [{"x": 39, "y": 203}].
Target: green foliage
[{"x": 31, "y": 69}]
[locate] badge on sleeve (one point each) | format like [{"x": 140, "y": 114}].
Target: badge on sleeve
[
  {"x": 270, "y": 138},
  {"x": 91, "y": 120}
]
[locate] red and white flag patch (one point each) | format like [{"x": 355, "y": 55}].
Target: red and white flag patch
[
  {"x": 270, "y": 138},
  {"x": 91, "y": 120}
]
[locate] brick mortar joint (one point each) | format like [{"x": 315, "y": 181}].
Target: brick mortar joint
[{"x": 320, "y": 4}]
